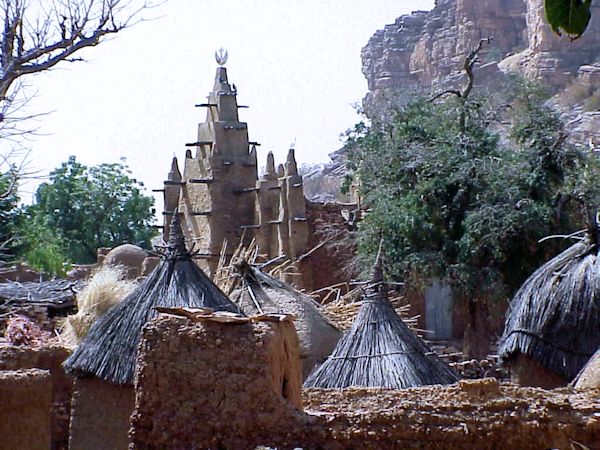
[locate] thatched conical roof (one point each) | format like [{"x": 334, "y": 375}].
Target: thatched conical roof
[
  {"x": 261, "y": 293},
  {"x": 554, "y": 318},
  {"x": 380, "y": 350},
  {"x": 109, "y": 351}
]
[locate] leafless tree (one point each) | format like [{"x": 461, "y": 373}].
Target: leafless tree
[
  {"x": 470, "y": 61},
  {"x": 35, "y": 36}
]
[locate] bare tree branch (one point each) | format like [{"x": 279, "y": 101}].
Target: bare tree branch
[
  {"x": 36, "y": 35},
  {"x": 35, "y": 39},
  {"x": 469, "y": 64},
  {"x": 446, "y": 92}
]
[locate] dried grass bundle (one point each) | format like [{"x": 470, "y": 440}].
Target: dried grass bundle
[
  {"x": 104, "y": 290},
  {"x": 343, "y": 311}
]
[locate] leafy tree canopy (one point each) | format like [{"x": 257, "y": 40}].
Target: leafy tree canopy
[
  {"x": 455, "y": 197},
  {"x": 92, "y": 207}
]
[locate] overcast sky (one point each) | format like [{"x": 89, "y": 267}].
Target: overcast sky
[{"x": 295, "y": 63}]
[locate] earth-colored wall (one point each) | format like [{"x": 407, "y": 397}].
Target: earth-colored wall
[
  {"x": 25, "y": 398},
  {"x": 334, "y": 262},
  {"x": 525, "y": 371},
  {"x": 49, "y": 358},
  {"x": 100, "y": 415},
  {"x": 212, "y": 386},
  {"x": 473, "y": 414}
]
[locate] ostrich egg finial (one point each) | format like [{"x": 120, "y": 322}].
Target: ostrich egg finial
[{"x": 221, "y": 56}]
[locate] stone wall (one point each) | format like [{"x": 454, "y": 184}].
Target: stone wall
[
  {"x": 100, "y": 415},
  {"x": 49, "y": 358},
  {"x": 25, "y": 409},
  {"x": 221, "y": 386}
]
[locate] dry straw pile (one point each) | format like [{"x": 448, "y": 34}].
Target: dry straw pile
[{"x": 104, "y": 290}]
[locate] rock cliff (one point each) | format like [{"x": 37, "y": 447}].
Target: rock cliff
[{"x": 426, "y": 50}]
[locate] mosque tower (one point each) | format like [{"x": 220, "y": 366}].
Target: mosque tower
[{"x": 221, "y": 197}]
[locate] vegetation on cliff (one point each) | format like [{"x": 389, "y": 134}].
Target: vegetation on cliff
[{"x": 464, "y": 190}]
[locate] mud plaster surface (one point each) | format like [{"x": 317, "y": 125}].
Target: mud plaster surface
[
  {"x": 48, "y": 358},
  {"x": 478, "y": 414},
  {"x": 100, "y": 415},
  {"x": 212, "y": 385},
  {"x": 216, "y": 386},
  {"x": 25, "y": 398},
  {"x": 590, "y": 375}
]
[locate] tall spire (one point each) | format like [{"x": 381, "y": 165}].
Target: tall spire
[
  {"x": 270, "y": 169},
  {"x": 291, "y": 168}
]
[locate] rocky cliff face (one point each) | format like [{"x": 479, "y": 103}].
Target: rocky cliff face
[{"x": 426, "y": 50}]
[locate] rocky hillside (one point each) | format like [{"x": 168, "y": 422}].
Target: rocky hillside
[
  {"x": 425, "y": 51},
  {"x": 323, "y": 182}
]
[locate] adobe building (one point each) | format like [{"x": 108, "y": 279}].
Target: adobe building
[{"x": 222, "y": 198}]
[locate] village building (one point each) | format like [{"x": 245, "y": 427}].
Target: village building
[
  {"x": 224, "y": 201},
  {"x": 104, "y": 363}
]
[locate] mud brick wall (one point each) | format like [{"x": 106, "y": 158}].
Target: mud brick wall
[
  {"x": 471, "y": 414},
  {"x": 100, "y": 415},
  {"x": 25, "y": 398},
  {"x": 214, "y": 386},
  {"x": 333, "y": 262},
  {"x": 49, "y": 358}
]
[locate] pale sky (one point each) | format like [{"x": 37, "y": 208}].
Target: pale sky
[{"x": 295, "y": 63}]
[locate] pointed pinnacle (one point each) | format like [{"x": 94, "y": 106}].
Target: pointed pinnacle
[
  {"x": 270, "y": 164},
  {"x": 176, "y": 242},
  {"x": 377, "y": 274},
  {"x": 174, "y": 173}
]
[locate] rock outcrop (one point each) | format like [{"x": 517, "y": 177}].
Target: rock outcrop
[{"x": 426, "y": 50}]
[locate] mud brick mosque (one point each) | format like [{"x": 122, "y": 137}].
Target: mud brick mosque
[{"x": 222, "y": 198}]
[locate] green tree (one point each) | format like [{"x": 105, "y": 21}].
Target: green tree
[
  {"x": 8, "y": 204},
  {"x": 92, "y": 207},
  {"x": 39, "y": 244},
  {"x": 455, "y": 199}
]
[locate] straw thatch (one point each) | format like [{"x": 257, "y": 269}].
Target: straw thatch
[
  {"x": 555, "y": 316},
  {"x": 380, "y": 350},
  {"x": 109, "y": 351},
  {"x": 105, "y": 289},
  {"x": 260, "y": 293}
]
